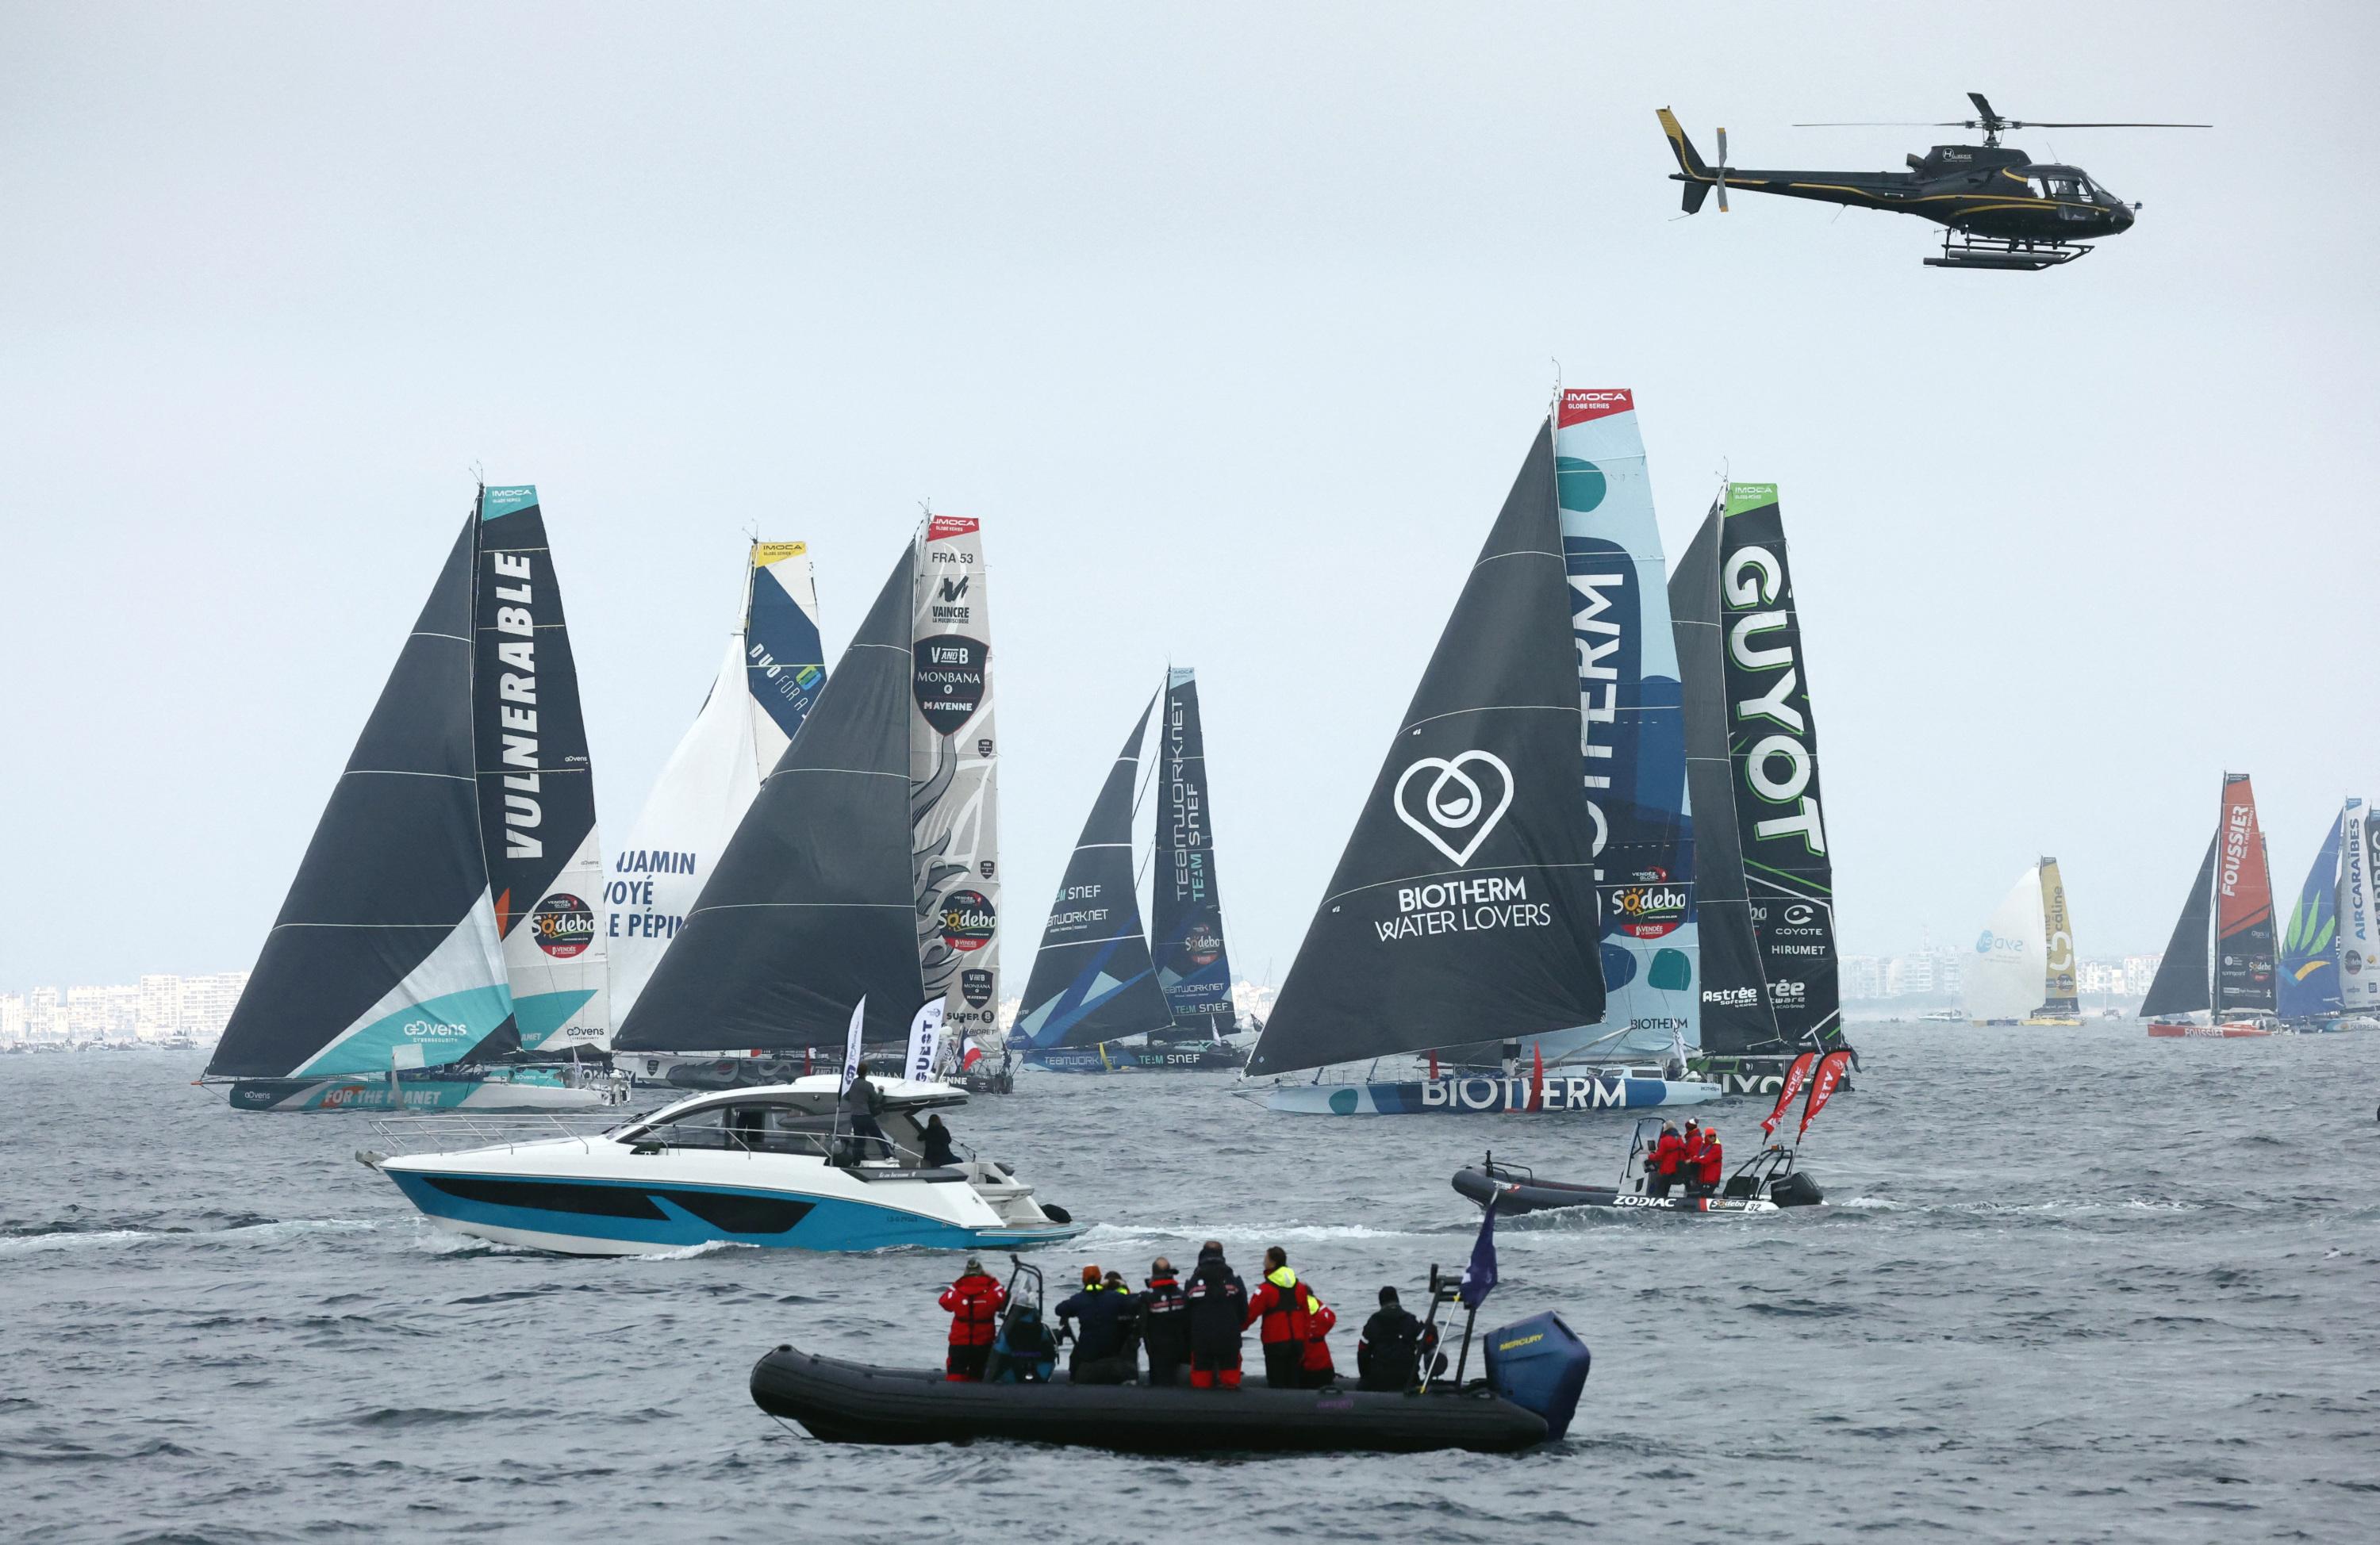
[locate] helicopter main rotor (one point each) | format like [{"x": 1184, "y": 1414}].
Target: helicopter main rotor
[{"x": 1993, "y": 125}]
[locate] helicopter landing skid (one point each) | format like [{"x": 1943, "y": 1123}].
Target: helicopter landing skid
[{"x": 2004, "y": 252}]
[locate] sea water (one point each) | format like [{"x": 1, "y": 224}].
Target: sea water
[{"x": 2069, "y": 1285}]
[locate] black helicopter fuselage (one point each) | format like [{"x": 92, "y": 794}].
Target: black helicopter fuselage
[{"x": 1980, "y": 191}]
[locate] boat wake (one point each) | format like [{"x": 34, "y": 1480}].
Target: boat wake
[{"x": 269, "y": 1231}]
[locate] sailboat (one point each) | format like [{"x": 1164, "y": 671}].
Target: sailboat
[
  {"x": 2329, "y": 929},
  {"x": 805, "y": 935},
  {"x": 2219, "y": 962},
  {"x": 1463, "y": 910},
  {"x": 1764, "y": 880},
  {"x": 1098, "y": 1000},
  {"x": 437, "y": 949},
  {"x": 772, "y": 669},
  {"x": 2023, "y": 968}
]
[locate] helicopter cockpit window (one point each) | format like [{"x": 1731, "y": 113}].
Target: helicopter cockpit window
[{"x": 2063, "y": 183}]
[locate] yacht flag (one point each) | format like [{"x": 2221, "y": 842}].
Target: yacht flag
[
  {"x": 1797, "y": 1075},
  {"x": 851, "y": 1045},
  {"x": 1822, "y": 1087},
  {"x": 1479, "y": 1277},
  {"x": 926, "y": 1040}
]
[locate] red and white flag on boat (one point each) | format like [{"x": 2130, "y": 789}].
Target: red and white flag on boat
[
  {"x": 974, "y": 1055},
  {"x": 1821, "y": 1089},
  {"x": 1796, "y": 1076}
]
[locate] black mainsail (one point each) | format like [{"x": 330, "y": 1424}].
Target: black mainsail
[
  {"x": 1733, "y": 1008},
  {"x": 2181, "y": 983},
  {"x": 1092, "y": 979},
  {"x": 386, "y": 952},
  {"x": 813, "y": 905},
  {"x": 1773, "y": 744},
  {"x": 1464, "y": 909},
  {"x": 1186, "y": 898}
]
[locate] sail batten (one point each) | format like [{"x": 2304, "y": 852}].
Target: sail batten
[{"x": 1463, "y": 907}]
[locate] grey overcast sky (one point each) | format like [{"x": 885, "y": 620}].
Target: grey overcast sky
[{"x": 1231, "y": 324}]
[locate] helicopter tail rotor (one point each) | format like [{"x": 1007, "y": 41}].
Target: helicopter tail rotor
[{"x": 1718, "y": 173}]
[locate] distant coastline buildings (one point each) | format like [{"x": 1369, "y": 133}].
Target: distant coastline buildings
[
  {"x": 1939, "y": 975},
  {"x": 157, "y": 1008}
]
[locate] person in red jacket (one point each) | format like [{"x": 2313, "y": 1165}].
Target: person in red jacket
[
  {"x": 1315, "y": 1367},
  {"x": 1668, "y": 1157},
  {"x": 1708, "y": 1160},
  {"x": 1282, "y": 1306},
  {"x": 975, "y": 1302}
]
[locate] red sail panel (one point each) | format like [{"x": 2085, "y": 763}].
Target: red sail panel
[{"x": 2244, "y": 979}]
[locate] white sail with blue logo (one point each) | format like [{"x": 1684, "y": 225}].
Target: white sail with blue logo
[
  {"x": 1632, "y": 731},
  {"x": 2004, "y": 976},
  {"x": 771, "y": 672}
]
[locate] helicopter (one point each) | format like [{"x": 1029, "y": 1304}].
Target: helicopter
[{"x": 2006, "y": 209}]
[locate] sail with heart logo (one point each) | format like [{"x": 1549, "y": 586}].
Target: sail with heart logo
[
  {"x": 537, "y": 795},
  {"x": 1093, "y": 979},
  {"x": 1186, "y": 895},
  {"x": 2359, "y": 927},
  {"x": 1774, "y": 744},
  {"x": 1734, "y": 1015},
  {"x": 1463, "y": 908},
  {"x": 812, "y": 906},
  {"x": 1633, "y": 728},
  {"x": 954, "y": 784},
  {"x": 2309, "y": 982},
  {"x": 771, "y": 669},
  {"x": 386, "y": 952}
]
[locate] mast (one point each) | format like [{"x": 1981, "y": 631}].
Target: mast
[{"x": 1463, "y": 907}]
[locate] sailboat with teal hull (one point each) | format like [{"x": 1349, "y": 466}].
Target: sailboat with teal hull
[{"x": 438, "y": 948}]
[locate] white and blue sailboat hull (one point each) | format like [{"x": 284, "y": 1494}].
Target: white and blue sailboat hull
[{"x": 1488, "y": 1094}]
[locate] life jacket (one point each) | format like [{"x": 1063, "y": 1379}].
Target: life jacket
[
  {"x": 1282, "y": 1306},
  {"x": 975, "y": 1303},
  {"x": 1165, "y": 1320},
  {"x": 1319, "y": 1318}
]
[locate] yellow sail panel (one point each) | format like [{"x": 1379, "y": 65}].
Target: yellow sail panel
[{"x": 2059, "y": 1000}]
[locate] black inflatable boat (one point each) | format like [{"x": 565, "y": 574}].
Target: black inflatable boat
[
  {"x": 852, "y": 1403},
  {"x": 1766, "y": 1183}
]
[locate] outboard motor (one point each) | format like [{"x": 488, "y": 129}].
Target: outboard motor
[
  {"x": 1539, "y": 1365},
  {"x": 1795, "y": 1189}
]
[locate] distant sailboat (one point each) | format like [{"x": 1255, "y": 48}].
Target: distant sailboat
[
  {"x": 2220, "y": 961},
  {"x": 438, "y": 949},
  {"x": 770, "y": 674},
  {"x": 2023, "y": 968},
  {"x": 1098, "y": 999},
  {"x": 1464, "y": 909}
]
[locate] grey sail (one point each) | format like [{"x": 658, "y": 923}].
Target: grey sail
[
  {"x": 813, "y": 904},
  {"x": 2180, "y": 986},
  {"x": 1734, "y": 1009},
  {"x": 1185, "y": 896},
  {"x": 1463, "y": 908},
  {"x": 1092, "y": 979},
  {"x": 385, "y": 953}
]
